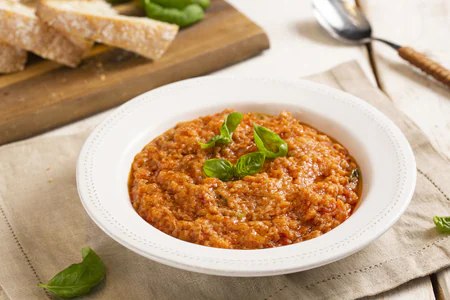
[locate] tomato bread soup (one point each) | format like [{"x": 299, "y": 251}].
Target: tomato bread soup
[{"x": 307, "y": 192}]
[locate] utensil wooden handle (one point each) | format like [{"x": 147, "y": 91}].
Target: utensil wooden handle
[{"x": 425, "y": 64}]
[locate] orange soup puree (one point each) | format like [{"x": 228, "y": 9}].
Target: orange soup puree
[{"x": 291, "y": 199}]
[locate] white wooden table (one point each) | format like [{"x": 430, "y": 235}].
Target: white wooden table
[
  {"x": 299, "y": 47},
  {"x": 424, "y": 25}
]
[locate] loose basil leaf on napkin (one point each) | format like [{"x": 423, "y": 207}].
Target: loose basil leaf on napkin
[
  {"x": 269, "y": 142},
  {"x": 78, "y": 279},
  {"x": 219, "y": 168},
  {"x": 442, "y": 224},
  {"x": 249, "y": 164},
  {"x": 226, "y": 130}
]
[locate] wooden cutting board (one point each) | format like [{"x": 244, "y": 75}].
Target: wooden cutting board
[{"x": 47, "y": 95}]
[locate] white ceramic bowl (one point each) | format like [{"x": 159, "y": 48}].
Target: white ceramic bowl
[{"x": 383, "y": 153}]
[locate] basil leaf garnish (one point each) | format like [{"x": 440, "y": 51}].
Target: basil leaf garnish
[
  {"x": 226, "y": 130},
  {"x": 442, "y": 224},
  {"x": 269, "y": 142},
  {"x": 216, "y": 139},
  {"x": 219, "y": 168},
  {"x": 77, "y": 279},
  {"x": 230, "y": 124},
  {"x": 249, "y": 164}
]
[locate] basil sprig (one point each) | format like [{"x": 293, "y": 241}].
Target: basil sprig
[
  {"x": 219, "y": 168},
  {"x": 226, "y": 130},
  {"x": 269, "y": 143},
  {"x": 442, "y": 224},
  {"x": 78, "y": 279},
  {"x": 249, "y": 164}
]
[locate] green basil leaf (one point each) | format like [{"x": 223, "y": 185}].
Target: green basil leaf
[
  {"x": 216, "y": 139},
  {"x": 442, "y": 224},
  {"x": 219, "y": 168},
  {"x": 250, "y": 164},
  {"x": 226, "y": 131},
  {"x": 78, "y": 279},
  {"x": 269, "y": 142},
  {"x": 230, "y": 124}
]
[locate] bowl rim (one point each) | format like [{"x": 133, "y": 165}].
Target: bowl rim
[{"x": 215, "y": 268}]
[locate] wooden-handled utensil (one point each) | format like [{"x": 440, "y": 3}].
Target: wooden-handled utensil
[
  {"x": 426, "y": 64},
  {"x": 344, "y": 21}
]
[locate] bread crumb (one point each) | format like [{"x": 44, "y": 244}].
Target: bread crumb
[
  {"x": 103, "y": 77},
  {"x": 48, "y": 169},
  {"x": 50, "y": 180}
]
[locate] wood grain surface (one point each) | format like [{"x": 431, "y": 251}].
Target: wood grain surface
[
  {"x": 423, "y": 25},
  {"x": 443, "y": 285},
  {"x": 47, "y": 95}
]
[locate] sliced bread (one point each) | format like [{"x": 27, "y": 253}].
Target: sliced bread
[
  {"x": 12, "y": 59},
  {"x": 20, "y": 27},
  {"x": 98, "y": 21}
]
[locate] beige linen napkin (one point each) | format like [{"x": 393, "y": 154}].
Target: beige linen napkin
[{"x": 43, "y": 227}]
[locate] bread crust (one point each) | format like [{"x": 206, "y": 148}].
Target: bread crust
[
  {"x": 12, "y": 59},
  {"x": 97, "y": 21},
  {"x": 21, "y": 28}
]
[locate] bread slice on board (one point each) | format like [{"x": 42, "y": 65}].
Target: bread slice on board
[
  {"x": 98, "y": 21},
  {"x": 12, "y": 59},
  {"x": 20, "y": 27}
]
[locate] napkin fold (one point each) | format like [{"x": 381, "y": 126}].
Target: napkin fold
[{"x": 43, "y": 227}]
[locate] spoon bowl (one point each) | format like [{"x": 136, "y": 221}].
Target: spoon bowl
[{"x": 343, "y": 21}]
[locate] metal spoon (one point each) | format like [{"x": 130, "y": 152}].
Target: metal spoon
[{"x": 345, "y": 22}]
